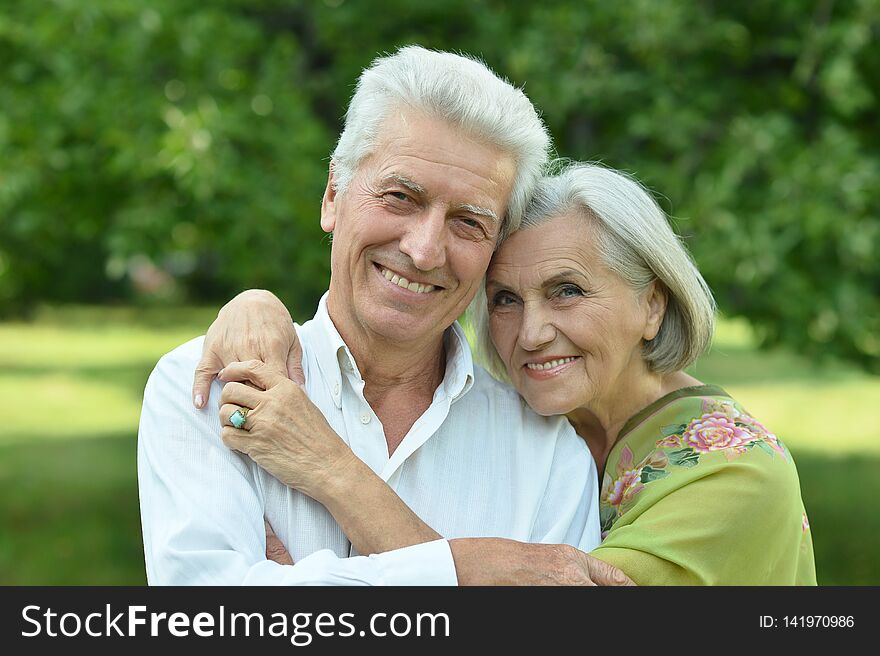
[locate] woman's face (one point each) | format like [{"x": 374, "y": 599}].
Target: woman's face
[{"x": 568, "y": 329}]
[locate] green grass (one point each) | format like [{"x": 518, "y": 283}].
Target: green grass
[
  {"x": 74, "y": 378},
  {"x": 68, "y": 490},
  {"x": 830, "y": 408}
]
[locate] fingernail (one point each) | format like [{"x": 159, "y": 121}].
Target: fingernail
[{"x": 200, "y": 401}]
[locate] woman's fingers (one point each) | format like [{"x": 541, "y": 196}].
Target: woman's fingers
[
  {"x": 604, "y": 574},
  {"x": 240, "y": 394},
  {"x": 236, "y": 439},
  {"x": 207, "y": 369},
  {"x": 273, "y": 351},
  {"x": 252, "y": 371},
  {"x": 229, "y": 409},
  {"x": 294, "y": 362}
]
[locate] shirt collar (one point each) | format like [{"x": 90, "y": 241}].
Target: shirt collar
[{"x": 334, "y": 357}]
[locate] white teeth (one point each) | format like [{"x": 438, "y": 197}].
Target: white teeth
[
  {"x": 400, "y": 281},
  {"x": 548, "y": 365}
]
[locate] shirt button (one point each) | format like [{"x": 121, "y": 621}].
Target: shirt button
[
  {"x": 365, "y": 418},
  {"x": 336, "y": 389}
]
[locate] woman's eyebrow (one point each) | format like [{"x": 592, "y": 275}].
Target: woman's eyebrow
[{"x": 564, "y": 276}]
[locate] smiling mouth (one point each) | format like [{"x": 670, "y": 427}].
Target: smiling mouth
[
  {"x": 552, "y": 364},
  {"x": 400, "y": 281}
]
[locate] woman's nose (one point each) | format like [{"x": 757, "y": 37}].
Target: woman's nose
[{"x": 536, "y": 330}]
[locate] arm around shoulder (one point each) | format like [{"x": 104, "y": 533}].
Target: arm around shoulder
[{"x": 202, "y": 507}]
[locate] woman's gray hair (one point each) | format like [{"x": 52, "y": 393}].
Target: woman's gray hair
[
  {"x": 460, "y": 90},
  {"x": 638, "y": 244}
]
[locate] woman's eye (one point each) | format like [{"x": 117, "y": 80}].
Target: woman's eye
[
  {"x": 502, "y": 299},
  {"x": 570, "y": 291}
]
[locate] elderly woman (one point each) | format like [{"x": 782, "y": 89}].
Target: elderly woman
[{"x": 593, "y": 309}]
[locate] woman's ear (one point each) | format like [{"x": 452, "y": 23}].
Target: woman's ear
[
  {"x": 655, "y": 300},
  {"x": 328, "y": 204}
]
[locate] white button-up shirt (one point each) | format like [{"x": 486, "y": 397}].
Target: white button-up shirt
[{"x": 477, "y": 463}]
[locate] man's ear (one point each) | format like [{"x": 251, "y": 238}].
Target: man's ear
[
  {"x": 655, "y": 300},
  {"x": 328, "y": 204}
]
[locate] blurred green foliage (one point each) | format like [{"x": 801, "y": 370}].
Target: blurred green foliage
[{"x": 177, "y": 149}]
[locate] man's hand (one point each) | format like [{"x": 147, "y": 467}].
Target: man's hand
[
  {"x": 254, "y": 325},
  {"x": 496, "y": 561},
  {"x": 275, "y": 549},
  {"x": 284, "y": 432}
]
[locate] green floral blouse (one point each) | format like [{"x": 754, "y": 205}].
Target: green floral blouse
[{"x": 698, "y": 492}]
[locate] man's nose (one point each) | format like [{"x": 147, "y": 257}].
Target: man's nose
[
  {"x": 425, "y": 240},
  {"x": 536, "y": 330}
]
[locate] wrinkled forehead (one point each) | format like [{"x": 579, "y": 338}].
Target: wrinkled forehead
[
  {"x": 533, "y": 253},
  {"x": 413, "y": 146}
]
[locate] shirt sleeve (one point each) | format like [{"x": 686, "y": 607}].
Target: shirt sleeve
[
  {"x": 202, "y": 507},
  {"x": 569, "y": 510},
  {"x": 737, "y": 522}
]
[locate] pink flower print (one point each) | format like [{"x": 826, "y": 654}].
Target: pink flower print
[
  {"x": 627, "y": 484},
  {"x": 735, "y": 451},
  {"x": 760, "y": 431},
  {"x": 626, "y": 460},
  {"x": 715, "y": 431},
  {"x": 805, "y": 524},
  {"x": 671, "y": 442},
  {"x": 720, "y": 405},
  {"x": 656, "y": 459},
  {"x": 624, "y": 488}
]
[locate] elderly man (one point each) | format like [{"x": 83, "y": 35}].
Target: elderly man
[{"x": 435, "y": 163}]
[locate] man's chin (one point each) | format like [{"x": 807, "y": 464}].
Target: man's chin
[{"x": 404, "y": 324}]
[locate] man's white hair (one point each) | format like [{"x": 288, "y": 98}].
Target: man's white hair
[
  {"x": 460, "y": 90},
  {"x": 638, "y": 244}
]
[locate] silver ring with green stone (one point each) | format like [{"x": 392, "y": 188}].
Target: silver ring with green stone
[{"x": 238, "y": 417}]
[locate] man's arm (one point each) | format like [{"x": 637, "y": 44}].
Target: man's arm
[{"x": 202, "y": 509}]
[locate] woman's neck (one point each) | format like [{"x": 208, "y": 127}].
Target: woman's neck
[{"x": 599, "y": 422}]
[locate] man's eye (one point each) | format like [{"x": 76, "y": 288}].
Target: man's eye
[
  {"x": 469, "y": 222},
  {"x": 398, "y": 195}
]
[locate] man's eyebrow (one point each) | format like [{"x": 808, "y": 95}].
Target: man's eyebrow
[
  {"x": 414, "y": 187},
  {"x": 480, "y": 211}
]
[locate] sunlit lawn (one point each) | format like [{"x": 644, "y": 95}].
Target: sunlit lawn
[{"x": 72, "y": 382}]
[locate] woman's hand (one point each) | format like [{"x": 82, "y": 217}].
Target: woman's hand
[
  {"x": 497, "y": 561},
  {"x": 284, "y": 432},
  {"x": 254, "y": 325}
]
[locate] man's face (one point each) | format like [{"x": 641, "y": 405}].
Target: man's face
[{"x": 414, "y": 231}]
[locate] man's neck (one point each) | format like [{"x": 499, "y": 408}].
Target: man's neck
[{"x": 399, "y": 378}]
